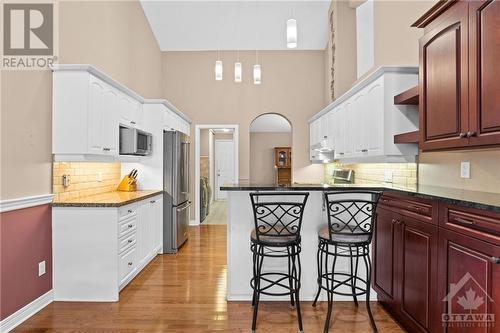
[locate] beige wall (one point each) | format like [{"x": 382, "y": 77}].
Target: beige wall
[
  {"x": 262, "y": 145},
  {"x": 112, "y": 35},
  {"x": 292, "y": 85},
  {"x": 204, "y": 142},
  {"x": 443, "y": 169}
]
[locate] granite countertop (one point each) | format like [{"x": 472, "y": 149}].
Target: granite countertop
[
  {"x": 109, "y": 199},
  {"x": 474, "y": 199}
]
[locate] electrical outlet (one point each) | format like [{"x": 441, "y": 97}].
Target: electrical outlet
[
  {"x": 465, "y": 169},
  {"x": 41, "y": 268},
  {"x": 99, "y": 176},
  {"x": 66, "y": 180},
  {"x": 388, "y": 176}
]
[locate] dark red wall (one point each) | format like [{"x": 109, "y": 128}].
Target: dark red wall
[{"x": 25, "y": 240}]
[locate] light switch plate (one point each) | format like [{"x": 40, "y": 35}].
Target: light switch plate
[
  {"x": 41, "y": 268},
  {"x": 465, "y": 169},
  {"x": 99, "y": 176}
]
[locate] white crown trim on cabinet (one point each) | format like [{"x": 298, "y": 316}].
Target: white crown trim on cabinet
[
  {"x": 26, "y": 312},
  {"x": 25, "y": 202},
  {"x": 124, "y": 89}
]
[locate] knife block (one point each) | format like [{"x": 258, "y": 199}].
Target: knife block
[{"x": 127, "y": 184}]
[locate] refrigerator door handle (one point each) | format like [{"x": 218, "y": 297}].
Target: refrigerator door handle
[{"x": 186, "y": 206}]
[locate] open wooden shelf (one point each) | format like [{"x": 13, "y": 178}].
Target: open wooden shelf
[
  {"x": 410, "y": 137},
  {"x": 408, "y": 97}
]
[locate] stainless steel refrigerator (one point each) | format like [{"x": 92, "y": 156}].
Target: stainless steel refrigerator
[{"x": 176, "y": 201}]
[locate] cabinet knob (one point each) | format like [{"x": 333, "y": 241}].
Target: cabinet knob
[
  {"x": 325, "y": 137},
  {"x": 132, "y": 122},
  {"x": 129, "y": 211},
  {"x": 130, "y": 240},
  {"x": 471, "y": 134},
  {"x": 394, "y": 221},
  {"x": 463, "y": 135},
  {"x": 152, "y": 201},
  {"x": 130, "y": 226},
  {"x": 130, "y": 263},
  {"x": 495, "y": 260}
]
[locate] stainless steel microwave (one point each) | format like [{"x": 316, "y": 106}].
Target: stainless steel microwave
[{"x": 135, "y": 142}]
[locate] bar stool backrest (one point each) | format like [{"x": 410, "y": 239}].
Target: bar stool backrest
[
  {"x": 351, "y": 212},
  {"x": 278, "y": 214}
]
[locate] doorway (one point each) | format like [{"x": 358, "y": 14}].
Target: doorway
[
  {"x": 216, "y": 164},
  {"x": 224, "y": 166}
]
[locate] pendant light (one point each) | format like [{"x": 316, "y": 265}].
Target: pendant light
[
  {"x": 257, "y": 74},
  {"x": 291, "y": 33},
  {"x": 218, "y": 62},
  {"x": 237, "y": 71},
  {"x": 218, "y": 70}
]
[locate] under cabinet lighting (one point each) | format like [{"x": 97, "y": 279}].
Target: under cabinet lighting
[
  {"x": 218, "y": 70},
  {"x": 291, "y": 33},
  {"x": 257, "y": 74},
  {"x": 237, "y": 72}
]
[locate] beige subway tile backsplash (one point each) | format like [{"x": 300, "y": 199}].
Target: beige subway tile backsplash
[
  {"x": 83, "y": 179},
  {"x": 403, "y": 174}
]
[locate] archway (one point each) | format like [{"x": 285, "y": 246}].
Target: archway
[{"x": 270, "y": 149}]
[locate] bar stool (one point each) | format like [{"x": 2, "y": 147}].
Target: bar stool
[
  {"x": 277, "y": 235},
  {"x": 351, "y": 216}
]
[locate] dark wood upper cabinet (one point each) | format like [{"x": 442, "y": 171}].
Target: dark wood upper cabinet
[
  {"x": 484, "y": 73},
  {"x": 444, "y": 80},
  {"x": 459, "y": 70}
]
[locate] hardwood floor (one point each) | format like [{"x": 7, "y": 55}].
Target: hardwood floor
[{"x": 187, "y": 293}]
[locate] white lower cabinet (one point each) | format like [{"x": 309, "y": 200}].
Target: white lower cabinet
[{"x": 97, "y": 251}]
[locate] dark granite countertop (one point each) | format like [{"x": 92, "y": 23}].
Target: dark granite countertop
[
  {"x": 108, "y": 199},
  {"x": 474, "y": 199}
]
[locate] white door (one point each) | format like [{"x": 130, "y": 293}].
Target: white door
[{"x": 224, "y": 166}]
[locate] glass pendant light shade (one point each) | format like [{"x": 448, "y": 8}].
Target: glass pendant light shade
[
  {"x": 291, "y": 33},
  {"x": 218, "y": 70},
  {"x": 237, "y": 72},
  {"x": 257, "y": 74}
]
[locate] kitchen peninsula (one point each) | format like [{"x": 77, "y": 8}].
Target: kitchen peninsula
[{"x": 415, "y": 228}]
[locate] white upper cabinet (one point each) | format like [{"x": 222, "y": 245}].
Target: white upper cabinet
[
  {"x": 360, "y": 125},
  {"x": 88, "y": 108}
]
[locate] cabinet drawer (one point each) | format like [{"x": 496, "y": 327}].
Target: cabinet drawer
[
  {"x": 127, "y": 242},
  {"x": 126, "y": 211},
  {"x": 473, "y": 222},
  {"x": 417, "y": 208},
  {"x": 127, "y": 263},
  {"x": 127, "y": 225}
]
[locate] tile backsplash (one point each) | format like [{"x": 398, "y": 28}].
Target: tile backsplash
[
  {"x": 403, "y": 174},
  {"x": 85, "y": 179}
]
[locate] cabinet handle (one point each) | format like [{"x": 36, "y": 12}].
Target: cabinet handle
[
  {"x": 325, "y": 136},
  {"x": 129, "y": 211},
  {"x": 341, "y": 153},
  {"x": 495, "y": 260},
  {"x": 464, "y": 221},
  {"x": 471, "y": 134},
  {"x": 462, "y": 135},
  {"x": 130, "y": 240},
  {"x": 106, "y": 149},
  {"x": 130, "y": 263},
  {"x": 132, "y": 122},
  {"x": 130, "y": 225},
  {"x": 394, "y": 221},
  {"x": 418, "y": 209},
  {"x": 152, "y": 201},
  {"x": 364, "y": 150}
]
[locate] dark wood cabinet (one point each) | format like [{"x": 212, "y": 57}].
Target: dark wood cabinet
[
  {"x": 434, "y": 262},
  {"x": 484, "y": 72},
  {"x": 444, "y": 81},
  {"x": 405, "y": 266},
  {"x": 459, "y": 69},
  {"x": 469, "y": 272}
]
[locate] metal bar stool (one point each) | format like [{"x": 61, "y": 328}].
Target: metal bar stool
[
  {"x": 277, "y": 235},
  {"x": 351, "y": 215}
]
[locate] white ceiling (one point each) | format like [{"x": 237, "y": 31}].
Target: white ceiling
[
  {"x": 270, "y": 123},
  {"x": 231, "y": 25}
]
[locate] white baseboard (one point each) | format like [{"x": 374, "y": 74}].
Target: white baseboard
[
  {"x": 193, "y": 223},
  {"x": 25, "y": 312}
]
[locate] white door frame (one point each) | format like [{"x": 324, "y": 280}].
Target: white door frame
[
  {"x": 197, "y": 129},
  {"x": 214, "y": 157}
]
